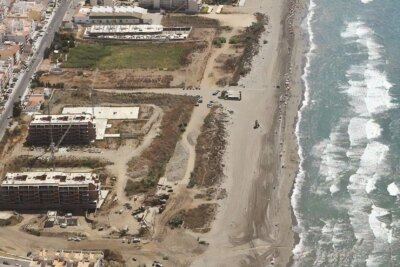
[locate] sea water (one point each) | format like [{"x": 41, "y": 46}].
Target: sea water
[{"x": 346, "y": 196}]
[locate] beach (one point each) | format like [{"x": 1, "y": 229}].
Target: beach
[{"x": 254, "y": 224}]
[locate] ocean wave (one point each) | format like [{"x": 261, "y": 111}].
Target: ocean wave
[
  {"x": 298, "y": 250},
  {"x": 333, "y": 163},
  {"x": 366, "y": 80},
  {"x": 383, "y": 236}
]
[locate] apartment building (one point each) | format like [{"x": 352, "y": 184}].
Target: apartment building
[
  {"x": 77, "y": 128},
  {"x": 55, "y": 258},
  {"x": 6, "y": 73},
  {"x": 109, "y": 15},
  {"x": 19, "y": 30},
  {"x": 49, "y": 190}
]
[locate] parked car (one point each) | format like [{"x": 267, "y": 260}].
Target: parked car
[
  {"x": 216, "y": 92},
  {"x": 135, "y": 240}
]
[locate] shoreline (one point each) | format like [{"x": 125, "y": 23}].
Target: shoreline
[{"x": 306, "y": 43}]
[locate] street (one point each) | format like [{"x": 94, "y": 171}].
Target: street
[{"x": 21, "y": 86}]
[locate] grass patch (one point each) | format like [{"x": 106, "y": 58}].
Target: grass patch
[{"x": 128, "y": 56}]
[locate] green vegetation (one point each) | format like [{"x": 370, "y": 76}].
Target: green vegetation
[
  {"x": 176, "y": 220},
  {"x": 204, "y": 9},
  {"x": 62, "y": 42},
  {"x": 218, "y": 41},
  {"x": 128, "y": 56},
  {"x": 17, "y": 109},
  {"x": 235, "y": 39}
]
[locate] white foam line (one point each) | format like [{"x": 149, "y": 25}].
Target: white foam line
[{"x": 299, "y": 181}]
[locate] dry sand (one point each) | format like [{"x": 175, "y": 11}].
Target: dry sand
[{"x": 254, "y": 223}]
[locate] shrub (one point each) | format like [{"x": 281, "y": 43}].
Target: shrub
[
  {"x": 176, "y": 220},
  {"x": 218, "y": 41},
  {"x": 234, "y": 39}
]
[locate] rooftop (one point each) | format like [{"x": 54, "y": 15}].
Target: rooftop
[
  {"x": 111, "y": 113},
  {"x": 57, "y": 178},
  {"x": 75, "y": 118},
  {"x": 7, "y": 51},
  {"x": 108, "y": 10},
  {"x": 125, "y": 29},
  {"x": 103, "y": 114}
]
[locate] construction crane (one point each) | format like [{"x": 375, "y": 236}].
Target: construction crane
[
  {"x": 53, "y": 147},
  {"x": 91, "y": 91}
]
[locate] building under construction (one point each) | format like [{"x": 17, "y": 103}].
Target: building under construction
[
  {"x": 70, "y": 129},
  {"x": 50, "y": 190}
]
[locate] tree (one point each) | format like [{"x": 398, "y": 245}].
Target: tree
[{"x": 17, "y": 109}]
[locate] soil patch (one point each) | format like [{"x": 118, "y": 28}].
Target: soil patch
[{"x": 210, "y": 147}]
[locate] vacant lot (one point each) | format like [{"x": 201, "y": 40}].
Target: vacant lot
[
  {"x": 129, "y": 56},
  {"x": 23, "y": 162},
  {"x": 197, "y": 219},
  {"x": 150, "y": 165}
]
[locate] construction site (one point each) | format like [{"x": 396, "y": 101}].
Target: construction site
[{"x": 126, "y": 150}]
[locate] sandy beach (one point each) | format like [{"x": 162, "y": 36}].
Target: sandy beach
[{"x": 254, "y": 223}]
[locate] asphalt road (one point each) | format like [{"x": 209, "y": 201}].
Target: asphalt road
[{"x": 21, "y": 86}]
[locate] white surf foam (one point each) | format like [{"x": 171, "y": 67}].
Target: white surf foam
[
  {"x": 368, "y": 172},
  {"x": 379, "y": 228},
  {"x": 378, "y": 98},
  {"x": 373, "y": 86},
  {"x": 357, "y": 131},
  {"x": 366, "y": 1},
  {"x": 393, "y": 189},
  {"x": 373, "y": 129},
  {"x": 298, "y": 250},
  {"x": 333, "y": 159}
]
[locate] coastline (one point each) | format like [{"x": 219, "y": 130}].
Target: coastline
[
  {"x": 254, "y": 224},
  {"x": 308, "y": 48}
]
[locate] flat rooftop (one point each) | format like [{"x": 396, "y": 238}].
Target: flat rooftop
[
  {"x": 59, "y": 258},
  {"x": 75, "y": 118},
  {"x": 116, "y": 10},
  {"x": 110, "y": 113},
  {"x": 53, "y": 178},
  {"x": 97, "y": 29},
  {"x": 103, "y": 114}
]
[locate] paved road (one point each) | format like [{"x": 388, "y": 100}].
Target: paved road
[{"x": 21, "y": 86}]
